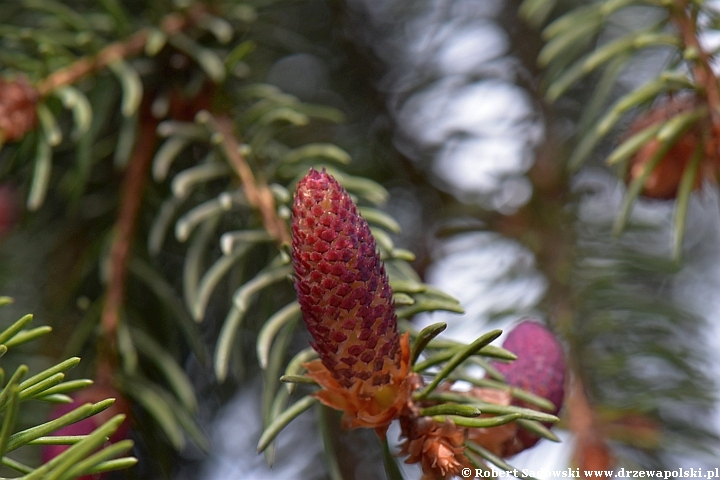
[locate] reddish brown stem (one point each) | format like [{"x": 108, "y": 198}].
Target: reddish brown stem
[
  {"x": 124, "y": 231},
  {"x": 256, "y": 191}
]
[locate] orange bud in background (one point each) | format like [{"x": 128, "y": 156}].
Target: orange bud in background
[{"x": 664, "y": 181}]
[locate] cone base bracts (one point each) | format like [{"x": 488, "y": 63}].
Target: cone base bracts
[
  {"x": 504, "y": 440},
  {"x": 368, "y": 407},
  {"x": 437, "y": 447}
]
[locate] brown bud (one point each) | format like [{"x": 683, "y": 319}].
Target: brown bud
[
  {"x": 18, "y": 100},
  {"x": 438, "y": 447},
  {"x": 664, "y": 181}
]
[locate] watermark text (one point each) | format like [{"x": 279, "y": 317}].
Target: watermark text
[{"x": 577, "y": 473}]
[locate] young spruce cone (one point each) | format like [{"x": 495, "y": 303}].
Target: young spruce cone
[{"x": 346, "y": 302}]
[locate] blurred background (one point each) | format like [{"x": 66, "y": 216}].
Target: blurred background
[{"x": 444, "y": 107}]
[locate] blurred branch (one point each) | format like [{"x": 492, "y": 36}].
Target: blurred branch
[
  {"x": 542, "y": 226},
  {"x": 592, "y": 452}
]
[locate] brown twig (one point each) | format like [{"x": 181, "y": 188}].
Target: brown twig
[
  {"x": 686, "y": 22},
  {"x": 257, "y": 192},
  {"x": 124, "y": 231},
  {"x": 131, "y": 47}
]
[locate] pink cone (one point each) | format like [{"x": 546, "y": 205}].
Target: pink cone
[{"x": 539, "y": 368}]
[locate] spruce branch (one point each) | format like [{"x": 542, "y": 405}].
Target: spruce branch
[
  {"x": 592, "y": 451},
  {"x": 173, "y": 23},
  {"x": 85, "y": 418},
  {"x": 671, "y": 146},
  {"x": 256, "y": 190},
  {"x": 131, "y": 196}
]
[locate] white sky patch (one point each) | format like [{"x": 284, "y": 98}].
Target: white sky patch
[
  {"x": 490, "y": 108},
  {"x": 486, "y": 132},
  {"x": 489, "y": 166},
  {"x": 468, "y": 49},
  {"x": 235, "y": 433},
  {"x": 490, "y": 276}
]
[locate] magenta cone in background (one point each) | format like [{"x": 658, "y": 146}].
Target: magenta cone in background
[{"x": 539, "y": 368}]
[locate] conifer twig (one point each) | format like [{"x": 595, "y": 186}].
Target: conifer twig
[
  {"x": 257, "y": 192},
  {"x": 541, "y": 221},
  {"x": 124, "y": 230},
  {"x": 172, "y": 23},
  {"x": 686, "y": 22}
]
